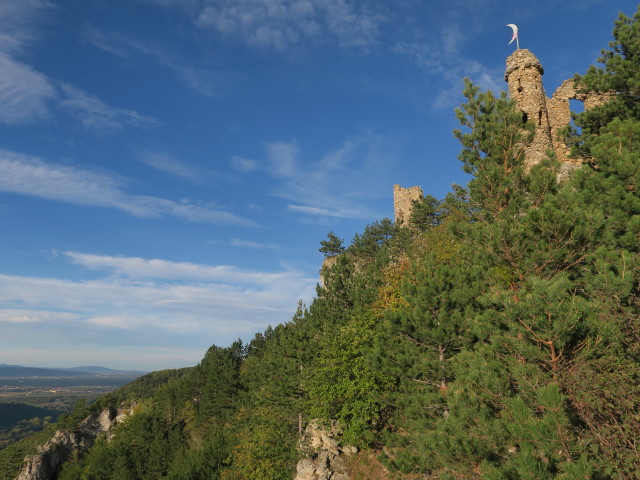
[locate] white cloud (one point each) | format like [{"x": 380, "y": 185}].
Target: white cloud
[
  {"x": 26, "y": 95},
  {"x": 26, "y": 316},
  {"x": 154, "y": 300},
  {"x": 204, "y": 81},
  {"x": 285, "y": 24},
  {"x": 337, "y": 185},
  {"x": 24, "y": 92},
  {"x": 244, "y": 165},
  {"x": 94, "y": 114},
  {"x": 325, "y": 212},
  {"x": 18, "y": 23},
  {"x": 140, "y": 268},
  {"x": 254, "y": 245},
  {"x": 104, "y": 41},
  {"x": 283, "y": 157},
  {"x": 173, "y": 166},
  {"x": 447, "y": 61},
  {"x": 26, "y": 175},
  {"x": 119, "y": 322}
]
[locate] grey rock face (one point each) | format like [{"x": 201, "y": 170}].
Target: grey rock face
[
  {"x": 45, "y": 464},
  {"x": 325, "y": 456}
]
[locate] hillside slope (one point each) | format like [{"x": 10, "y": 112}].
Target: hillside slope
[{"x": 495, "y": 336}]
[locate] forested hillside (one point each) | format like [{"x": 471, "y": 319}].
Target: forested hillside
[{"x": 497, "y": 336}]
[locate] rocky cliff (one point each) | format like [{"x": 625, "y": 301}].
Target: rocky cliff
[
  {"x": 325, "y": 457},
  {"x": 45, "y": 464}
]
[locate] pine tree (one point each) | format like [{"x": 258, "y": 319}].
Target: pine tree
[
  {"x": 333, "y": 245},
  {"x": 620, "y": 77}
]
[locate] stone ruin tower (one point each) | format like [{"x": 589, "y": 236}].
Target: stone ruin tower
[
  {"x": 403, "y": 203},
  {"x": 524, "y": 78}
]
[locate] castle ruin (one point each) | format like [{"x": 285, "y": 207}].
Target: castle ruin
[
  {"x": 403, "y": 199},
  {"x": 524, "y": 79},
  {"x": 523, "y": 75}
]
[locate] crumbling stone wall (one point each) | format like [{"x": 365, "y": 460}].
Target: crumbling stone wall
[
  {"x": 403, "y": 203},
  {"x": 524, "y": 78},
  {"x": 559, "y": 110}
]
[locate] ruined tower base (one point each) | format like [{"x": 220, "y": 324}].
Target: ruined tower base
[{"x": 403, "y": 199}]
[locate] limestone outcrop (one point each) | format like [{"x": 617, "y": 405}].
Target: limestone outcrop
[
  {"x": 327, "y": 263},
  {"x": 325, "y": 457},
  {"x": 45, "y": 464}
]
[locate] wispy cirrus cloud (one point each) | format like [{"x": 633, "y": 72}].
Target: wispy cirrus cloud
[
  {"x": 94, "y": 114},
  {"x": 446, "y": 60},
  {"x": 253, "y": 245},
  {"x": 243, "y": 165},
  {"x": 142, "y": 268},
  {"x": 207, "y": 81},
  {"x": 174, "y": 166},
  {"x": 19, "y": 22},
  {"x": 25, "y": 94},
  {"x": 108, "y": 42},
  {"x": 27, "y": 175},
  {"x": 283, "y": 158},
  {"x": 339, "y": 184},
  {"x": 26, "y": 316},
  {"x": 325, "y": 212}
]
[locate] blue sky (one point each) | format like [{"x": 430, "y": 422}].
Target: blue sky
[{"x": 169, "y": 167}]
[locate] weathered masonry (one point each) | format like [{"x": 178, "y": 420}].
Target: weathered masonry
[
  {"x": 403, "y": 203},
  {"x": 524, "y": 79},
  {"x": 523, "y": 75}
]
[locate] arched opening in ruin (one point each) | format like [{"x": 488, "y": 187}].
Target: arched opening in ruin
[
  {"x": 525, "y": 117},
  {"x": 576, "y": 106}
]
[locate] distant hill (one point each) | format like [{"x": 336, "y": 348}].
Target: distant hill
[
  {"x": 20, "y": 371},
  {"x": 98, "y": 370}
]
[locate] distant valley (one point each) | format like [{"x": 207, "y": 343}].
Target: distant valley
[
  {"x": 33, "y": 397},
  {"x": 24, "y": 372}
]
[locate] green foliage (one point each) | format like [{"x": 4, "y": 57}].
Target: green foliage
[
  {"x": 615, "y": 182},
  {"x": 498, "y": 338},
  {"x": 375, "y": 236},
  {"x": 12, "y": 457},
  {"x": 18, "y": 421},
  {"x": 343, "y": 384},
  {"x": 620, "y": 77},
  {"x": 493, "y": 150},
  {"x": 420, "y": 341},
  {"x": 333, "y": 245},
  {"x": 264, "y": 450},
  {"x": 425, "y": 213}
]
